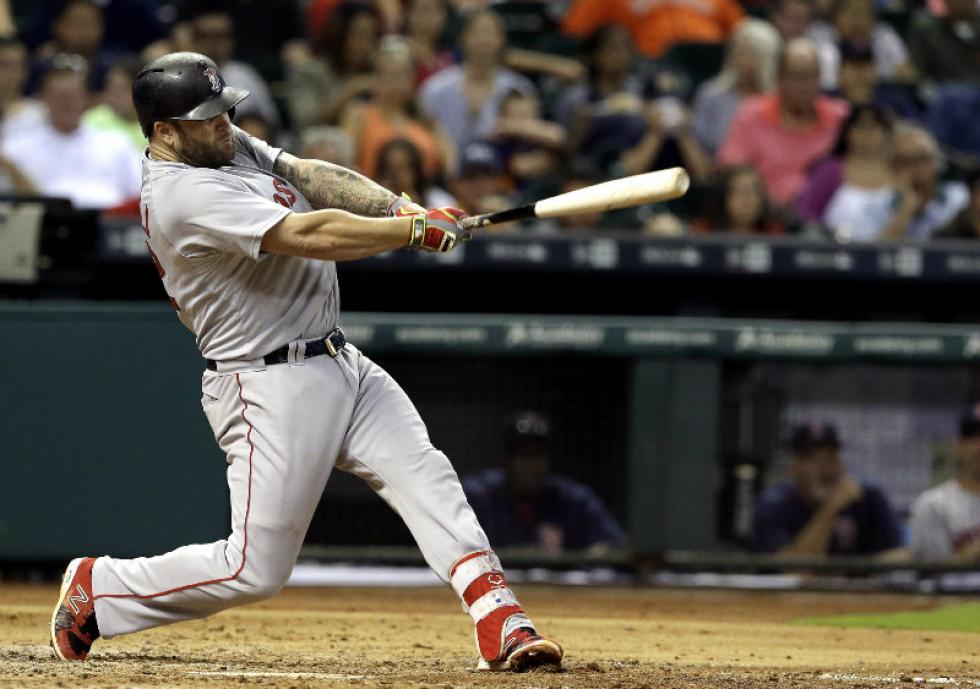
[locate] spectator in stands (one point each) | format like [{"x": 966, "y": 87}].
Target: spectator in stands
[
  {"x": 924, "y": 202},
  {"x": 784, "y": 132},
  {"x": 128, "y": 25},
  {"x": 331, "y": 144},
  {"x": 945, "y": 523},
  {"x": 466, "y": 98},
  {"x": 750, "y": 69},
  {"x": 654, "y": 26},
  {"x": 392, "y": 113},
  {"x": 952, "y": 118},
  {"x": 667, "y": 140},
  {"x": 399, "y": 168},
  {"x": 947, "y": 48},
  {"x": 794, "y": 19},
  {"x": 213, "y": 34},
  {"x": 478, "y": 187},
  {"x": 854, "y": 23},
  {"x": 17, "y": 113},
  {"x": 339, "y": 70},
  {"x": 523, "y": 504},
  {"x": 822, "y": 510},
  {"x": 527, "y": 145},
  {"x": 267, "y": 33},
  {"x": 116, "y": 113},
  {"x": 966, "y": 223},
  {"x": 740, "y": 205},
  {"x": 64, "y": 157},
  {"x": 425, "y": 28},
  {"x": 77, "y": 28},
  {"x": 604, "y": 115},
  {"x": 858, "y": 83},
  {"x": 851, "y": 192},
  {"x": 255, "y": 124}
]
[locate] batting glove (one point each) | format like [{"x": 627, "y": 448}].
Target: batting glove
[
  {"x": 438, "y": 230},
  {"x": 403, "y": 206}
]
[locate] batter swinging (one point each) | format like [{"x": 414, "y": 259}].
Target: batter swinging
[{"x": 244, "y": 237}]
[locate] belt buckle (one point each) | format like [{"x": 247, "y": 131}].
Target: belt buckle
[{"x": 333, "y": 348}]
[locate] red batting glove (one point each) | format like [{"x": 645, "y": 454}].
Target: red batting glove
[
  {"x": 438, "y": 230},
  {"x": 403, "y": 206}
]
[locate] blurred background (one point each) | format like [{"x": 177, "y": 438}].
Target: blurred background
[{"x": 769, "y": 382}]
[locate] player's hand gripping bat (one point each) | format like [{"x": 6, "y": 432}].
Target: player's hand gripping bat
[{"x": 636, "y": 190}]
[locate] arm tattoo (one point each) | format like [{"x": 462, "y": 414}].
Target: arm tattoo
[{"x": 326, "y": 185}]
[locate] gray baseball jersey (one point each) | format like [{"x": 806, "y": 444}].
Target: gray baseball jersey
[
  {"x": 205, "y": 234},
  {"x": 944, "y": 518}
]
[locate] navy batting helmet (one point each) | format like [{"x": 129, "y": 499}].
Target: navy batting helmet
[{"x": 182, "y": 86}]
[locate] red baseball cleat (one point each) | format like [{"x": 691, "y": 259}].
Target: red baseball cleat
[
  {"x": 522, "y": 650},
  {"x": 73, "y": 625}
]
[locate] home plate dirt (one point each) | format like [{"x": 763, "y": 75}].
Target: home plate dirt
[{"x": 614, "y": 637}]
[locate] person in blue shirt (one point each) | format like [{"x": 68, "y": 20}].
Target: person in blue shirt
[
  {"x": 822, "y": 510},
  {"x": 522, "y": 504}
]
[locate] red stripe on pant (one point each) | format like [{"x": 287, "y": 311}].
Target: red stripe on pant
[{"x": 248, "y": 507}]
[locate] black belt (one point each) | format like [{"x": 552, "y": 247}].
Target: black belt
[{"x": 332, "y": 344}]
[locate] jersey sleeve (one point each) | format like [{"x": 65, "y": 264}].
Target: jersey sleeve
[
  {"x": 887, "y": 534},
  {"x": 929, "y": 539},
  {"x": 255, "y": 151},
  {"x": 210, "y": 211},
  {"x": 769, "y": 529}
]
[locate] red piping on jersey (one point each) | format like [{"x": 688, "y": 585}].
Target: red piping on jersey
[{"x": 248, "y": 507}]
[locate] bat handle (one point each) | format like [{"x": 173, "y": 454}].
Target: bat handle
[
  {"x": 473, "y": 222},
  {"x": 518, "y": 213}
]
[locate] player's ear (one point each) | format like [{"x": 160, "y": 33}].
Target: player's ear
[{"x": 165, "y": 132}]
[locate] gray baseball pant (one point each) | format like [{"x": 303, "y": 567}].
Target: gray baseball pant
[{"x": 283, "y": 428}]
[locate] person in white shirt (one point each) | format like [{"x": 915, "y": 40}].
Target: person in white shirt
[
  {"x": 945, "y": 521},
  {"x": 65, "y": 158}
]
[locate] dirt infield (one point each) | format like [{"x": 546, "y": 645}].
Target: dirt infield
[{"x": 621, "y": 638}]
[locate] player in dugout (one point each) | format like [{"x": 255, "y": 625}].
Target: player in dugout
[
  {"x": 244, "y": 237},
  {"x": 822, "y": 510},
  {"x": 945, "y": 523},
  {"x": 522, "y": 503}
]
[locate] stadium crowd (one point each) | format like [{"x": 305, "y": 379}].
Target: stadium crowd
[{"x": 846, "y": 119}]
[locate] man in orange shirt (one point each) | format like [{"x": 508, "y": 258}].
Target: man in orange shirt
[{"x": 657, "y": 24}]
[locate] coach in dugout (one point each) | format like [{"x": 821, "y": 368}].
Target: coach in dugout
[
  {"x": 822, "y": 510},
  {"x": 522, "y": 504},
  {"x": 945, "y": 521}
]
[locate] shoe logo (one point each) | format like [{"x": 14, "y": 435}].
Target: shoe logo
[{"x": 82, "y": 597}]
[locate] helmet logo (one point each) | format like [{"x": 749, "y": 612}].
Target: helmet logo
[{"x": 212, "y": 74}]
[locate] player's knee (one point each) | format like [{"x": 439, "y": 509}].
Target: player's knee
[
  {"x": 258, "y": 586},
  {"x": 253, "y": 591}
]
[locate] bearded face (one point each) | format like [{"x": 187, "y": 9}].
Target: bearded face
[{"x": 205, "y": 143}]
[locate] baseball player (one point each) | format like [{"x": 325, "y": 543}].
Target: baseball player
[{"x": 244, "y": 237}]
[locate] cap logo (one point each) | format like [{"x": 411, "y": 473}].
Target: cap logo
[{"x": 212, "y": 74}]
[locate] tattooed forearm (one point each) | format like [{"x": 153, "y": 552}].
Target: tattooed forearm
[{"x": 326, "y": 185}]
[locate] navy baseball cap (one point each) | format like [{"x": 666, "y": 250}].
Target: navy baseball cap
[
  {"x": 970, "y": 421},
  {"x": 528, "y": 432},
  {"x": 812, "y": 436},
  {"x": 478, "y": 157}
]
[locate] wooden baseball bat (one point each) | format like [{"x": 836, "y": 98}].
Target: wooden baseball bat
[{"x": 636, "y": 190}]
